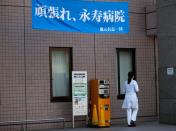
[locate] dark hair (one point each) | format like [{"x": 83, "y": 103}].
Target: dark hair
[{"x": 130, "y": 76}]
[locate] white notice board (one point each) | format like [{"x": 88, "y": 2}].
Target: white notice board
[
  {"x": 79, "y": 93},
  {"x": 170, "y": 71}
]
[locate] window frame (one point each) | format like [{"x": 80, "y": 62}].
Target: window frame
[
  {"x": 66, "y": 98},
  {"x": 133, "y": 50}
]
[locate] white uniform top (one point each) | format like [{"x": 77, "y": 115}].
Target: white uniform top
[{"x": 131, "y": 100}]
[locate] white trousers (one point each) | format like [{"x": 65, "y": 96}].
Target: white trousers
[{"x": 131, "y": 114}]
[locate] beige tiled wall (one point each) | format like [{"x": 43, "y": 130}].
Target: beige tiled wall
[{"x": 24, "y": 64}]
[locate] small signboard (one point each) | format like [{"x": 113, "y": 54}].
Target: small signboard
[
  {"x": 170, "y": 71},
  {"x": 79, "y": 93}
]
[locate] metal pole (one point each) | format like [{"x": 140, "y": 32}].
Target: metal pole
[
  {"x": 72, "y": 110},
  {"x": 73, "y": 122}
]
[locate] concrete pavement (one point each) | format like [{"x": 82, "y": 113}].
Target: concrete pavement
[{"x": 143, "y": 126}]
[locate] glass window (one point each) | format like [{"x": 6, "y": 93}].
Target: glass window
[
  {"x": 60, "y": 73},
  {"x": 125, "y": 63}
]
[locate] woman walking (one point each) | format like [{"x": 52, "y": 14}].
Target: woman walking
[{"x": 130, "y": 102}]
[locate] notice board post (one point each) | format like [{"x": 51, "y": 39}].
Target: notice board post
[{"x": 79, "y": 94}]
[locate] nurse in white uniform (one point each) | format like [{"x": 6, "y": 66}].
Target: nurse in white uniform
[{"x": 130, "y": 102}]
